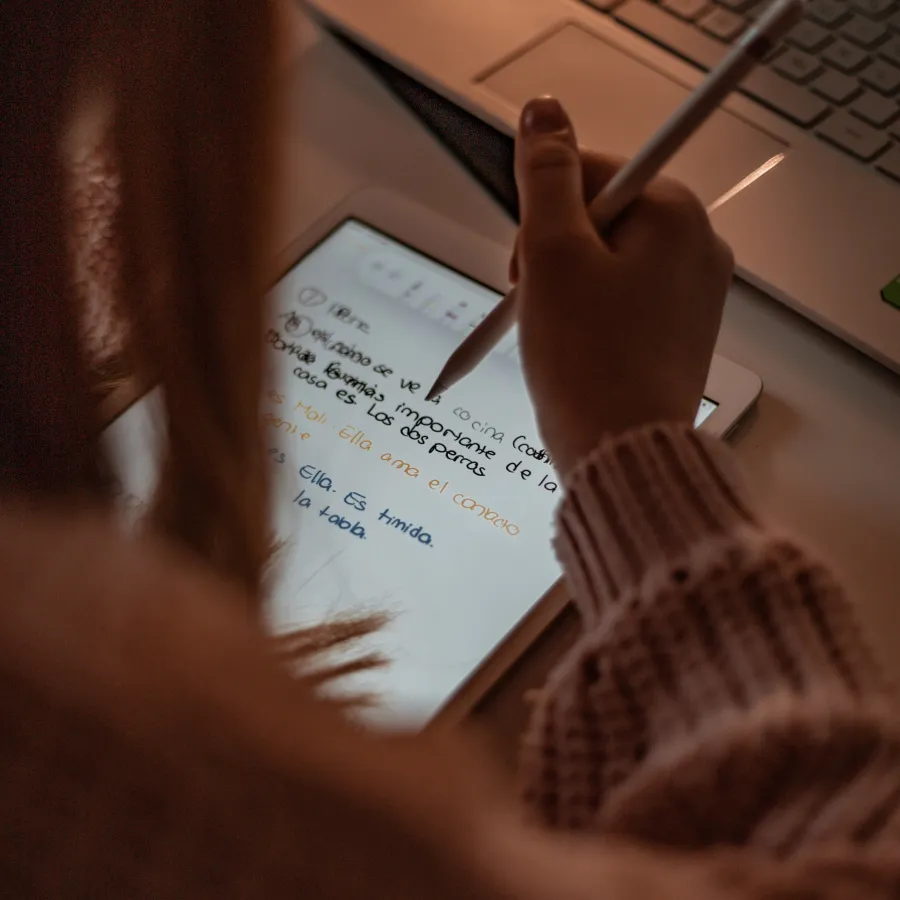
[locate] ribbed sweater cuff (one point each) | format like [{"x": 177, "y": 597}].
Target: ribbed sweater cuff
[{"x": 640, "y": 500}]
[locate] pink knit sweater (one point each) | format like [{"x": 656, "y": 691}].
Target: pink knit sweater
[{"x": 722, "y": 694}]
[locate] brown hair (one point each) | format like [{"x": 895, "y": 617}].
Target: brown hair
[{"x": 188, "y": 90}]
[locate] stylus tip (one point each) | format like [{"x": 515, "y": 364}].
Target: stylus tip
[{"x": 437, "y": 388}]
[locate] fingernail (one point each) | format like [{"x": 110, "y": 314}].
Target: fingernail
[{"x": 544, "y": 115}]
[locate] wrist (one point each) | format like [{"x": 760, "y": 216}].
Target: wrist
[
  {"x": 569, "y": 443},
  {"x": 643, "y": 500}
]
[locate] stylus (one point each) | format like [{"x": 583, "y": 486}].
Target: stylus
[{"x": 752, "y": 48}]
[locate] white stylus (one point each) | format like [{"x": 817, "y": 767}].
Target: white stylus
[{"x": 752, "y": 48}]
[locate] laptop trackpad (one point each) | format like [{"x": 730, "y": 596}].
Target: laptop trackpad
[{"x": 617, "y": 102}]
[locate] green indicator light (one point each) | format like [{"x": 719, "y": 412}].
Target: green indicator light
[{"x": 891, "y": 293}]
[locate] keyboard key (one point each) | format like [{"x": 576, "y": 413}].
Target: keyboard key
[
  {"x": 877, "y": 9},
  {"x": 796, "y": 103},
  {"x": 828, "y": 12},
  {"x": 845, "y": 56},
  {"x": 864, "y": 32},
  {"x": 836, "y": 87},
  {"x": 875, "y": 109},
  {"x": 723, "y": 24},
  {"x": 882, "y": 76},
  {"x": 891, "y": 51},
  {"x": 686, "y": 9},
  {"x": 853, "y": 136},
  {"x": 808, "y": 36},
  {"x": 797, "y": 65},
  {"x": 655, "y": 23},
  {"x": 890, "y": 163},
  {"x": 757, "y": 9}
]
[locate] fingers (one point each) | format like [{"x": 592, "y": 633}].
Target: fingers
[
  {"x": 596, "y": 171},
  {"x": 666, "y": 213},
  {"x": 558, "y": 188},
  {"x": 548, "y": 173}
]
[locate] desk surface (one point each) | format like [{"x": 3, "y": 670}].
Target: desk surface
[{"x": 823, "y": 448}]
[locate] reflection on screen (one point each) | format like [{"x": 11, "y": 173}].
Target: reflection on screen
[{"x": 437, "y": 513}]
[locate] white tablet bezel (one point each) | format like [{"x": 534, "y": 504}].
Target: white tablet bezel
[{"x": 732, "y": 387}]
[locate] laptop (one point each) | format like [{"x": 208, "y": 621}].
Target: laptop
[{"x": 800, "y": 169}]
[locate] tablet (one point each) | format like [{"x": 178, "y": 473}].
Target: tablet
[{"x": 438, "y": 513}]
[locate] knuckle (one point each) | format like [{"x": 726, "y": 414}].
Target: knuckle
[
  {"x": 677, "y": 200},
  {"x": 551, "y": 155},
  {"x": 678, "y": 214}
]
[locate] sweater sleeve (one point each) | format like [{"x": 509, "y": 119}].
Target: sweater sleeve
[{"x": 721, "y": 693}]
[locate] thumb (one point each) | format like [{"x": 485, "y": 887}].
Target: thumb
[{"x": 548, "y": 171}]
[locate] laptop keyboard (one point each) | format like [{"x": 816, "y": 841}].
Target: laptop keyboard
[{"x": 837, "y": 73}]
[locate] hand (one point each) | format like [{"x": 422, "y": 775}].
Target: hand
[{"x": 616, "y": 330}]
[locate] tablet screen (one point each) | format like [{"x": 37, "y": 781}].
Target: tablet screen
[{"x": 436, "y": 513}]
